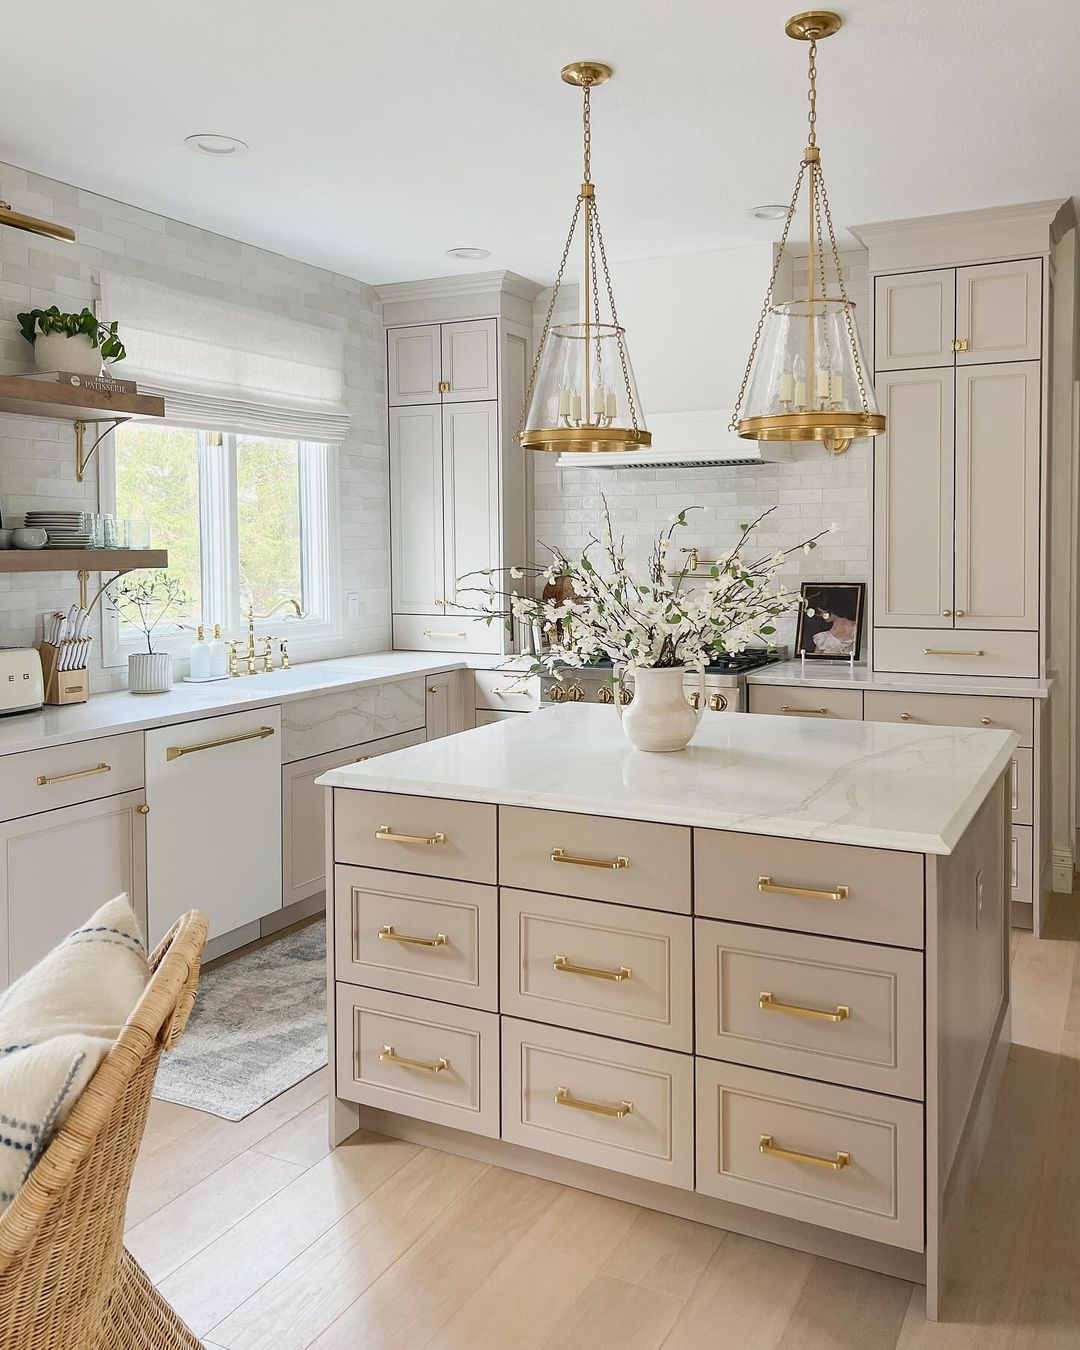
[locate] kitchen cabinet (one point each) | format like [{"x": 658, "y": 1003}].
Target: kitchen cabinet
[
  {"x": 915, "y": 320},
  {"x": 413, "y": 365},
  {"x": 470, "y": 476},
  {"x": 455, "y": 362},
  {"x": 213, "y": 837},
  {"x": 417, "y": 552},
  {"x": 444, "y": 704},
  {"x": 57, "y": 867}
]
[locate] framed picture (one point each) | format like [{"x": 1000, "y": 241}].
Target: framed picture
[{"x": 831, "y": 620}]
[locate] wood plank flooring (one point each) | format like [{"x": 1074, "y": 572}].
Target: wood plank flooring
[{"x": 262, "y": 1238}]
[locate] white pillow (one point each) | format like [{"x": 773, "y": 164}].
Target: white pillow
[{"x": 57, "y": 1023}]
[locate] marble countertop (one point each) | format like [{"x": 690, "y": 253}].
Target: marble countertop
[
  {"x": 839, "y": 675},
  {"x": 869, "y": 783},
  {"x": 113, "y": 713}
]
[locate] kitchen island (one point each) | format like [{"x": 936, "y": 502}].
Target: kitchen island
[{"x": 762, "y": 983}]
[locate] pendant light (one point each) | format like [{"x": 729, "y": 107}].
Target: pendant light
[
  {"x": 32, "y": 225},
  {"x": 581, "y": 394},
  {"x": 806, "y": 378}
]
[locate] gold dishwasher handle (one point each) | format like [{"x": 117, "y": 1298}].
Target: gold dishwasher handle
[
  {"x": 766, "y": 884},
  {"x": 259, "y": 734},
  {"x": 766, "y": 1001},
  {"x": 387, "y": 934},
  {"x": 805, "y": 712},
  {"x": 766, "y": 1145},
  {"x": 560, "y": 855},
  {"x": 596, "y": 972},
  {"x": 564, "y": 1097},
  {"x": 387, "y": 833},
  {"x": 389, "y": 1056},
  {"x": 45, "y": 780}
]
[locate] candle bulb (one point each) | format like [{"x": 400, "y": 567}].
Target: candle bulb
[
  {"x": 836, "y": 387},
  {"x": 575, "y": 404},
  {"x": 611, "y": 407},
  {"x": 800, "y": 393},
  {"x": 822, "y": 387},
  {"x": 564, "y": 402},
  {"x": 597, "y": 399},
  {"x": 787, "y": 388}
]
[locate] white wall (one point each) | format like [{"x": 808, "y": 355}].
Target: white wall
[{"x": 37, "y": 465}]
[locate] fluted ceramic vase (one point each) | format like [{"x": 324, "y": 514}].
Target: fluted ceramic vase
[{"x": 661, "y": 718}]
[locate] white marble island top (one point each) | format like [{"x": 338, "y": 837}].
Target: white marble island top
[{"x": 912, "y": 788}]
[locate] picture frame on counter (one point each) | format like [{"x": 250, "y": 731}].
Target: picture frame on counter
[{"x": 832, "y": 617}]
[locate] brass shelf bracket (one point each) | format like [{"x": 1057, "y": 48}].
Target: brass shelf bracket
[{"x": 84, "y": 456}]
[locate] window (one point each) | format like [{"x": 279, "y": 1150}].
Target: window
[{"x": 246, "y": 520}]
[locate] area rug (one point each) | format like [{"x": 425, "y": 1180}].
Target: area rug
[{"x": 258, "y": 1027}]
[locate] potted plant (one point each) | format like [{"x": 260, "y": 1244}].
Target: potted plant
[
  {"x": 654, "y": 628},
  {"x": 79, "y": 343},
  {"x": 144, "y": 602}
]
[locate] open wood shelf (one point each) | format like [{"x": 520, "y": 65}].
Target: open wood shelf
[
  {"x": 81, "y": 559},
  {"x": 29, "y": 397}
]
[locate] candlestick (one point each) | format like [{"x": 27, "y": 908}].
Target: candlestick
[
  {"x": 822, "y": 386},
  {"x": 800, "y": 393}
]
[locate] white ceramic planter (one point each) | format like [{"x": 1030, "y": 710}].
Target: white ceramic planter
[
  {"x": 57, "y": 351},
  {"x": 150, "y": 672},
  {"x": 660, "y": 719}
]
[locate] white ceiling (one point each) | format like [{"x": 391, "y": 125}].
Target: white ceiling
[{"x": 384, "y": 134}]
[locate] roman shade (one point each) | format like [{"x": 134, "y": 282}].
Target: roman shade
[{"x": 226, "y": 367}]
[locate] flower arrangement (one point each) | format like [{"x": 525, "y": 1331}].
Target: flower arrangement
[{"x": 651, "y": 622}]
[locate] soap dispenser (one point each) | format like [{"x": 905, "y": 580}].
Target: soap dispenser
[
  {"x": 200, "y": 657},
  {"x": 219, "y": 657}
]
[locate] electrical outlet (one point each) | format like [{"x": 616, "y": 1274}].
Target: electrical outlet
[{"x": 352, "y": 605}]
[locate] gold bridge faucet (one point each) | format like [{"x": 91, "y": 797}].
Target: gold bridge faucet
[{"x": 250, "y": 656}]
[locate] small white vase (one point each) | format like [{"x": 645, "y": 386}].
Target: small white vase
[
  {"x": 77, "y": 355},
  {"x": 150, "y": 672},
  {"x": 660, "y": 718}
]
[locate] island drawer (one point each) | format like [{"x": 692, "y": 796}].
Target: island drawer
[
  {"x": 507, "y": 690},
  {"x": 632, "y": 862},
  {"x": 1002, "y": 713},
  {"x": 613, "y": 969},
  {"x": 794, "y": 701},
  {"x": 63, "y": 775},
  {"x": 956, "y": 651},
  {"x": 868, "y": 894},
  {"x": 417, "y": 935},
  {"x": 629, "y": 1108},
  {"x": 422, "y": 1059},
  {"x": 846, "y": 1160},
  {"x": 431, "y": 835},
  {"x": 843, "y": 1012}
]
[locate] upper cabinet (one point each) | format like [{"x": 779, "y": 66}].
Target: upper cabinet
[
  {"x": 448, "y": 362},
  {"x": 914, "y": 320}
]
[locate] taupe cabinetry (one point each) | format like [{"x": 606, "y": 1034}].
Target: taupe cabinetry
[{"x": 451, "y": 362}]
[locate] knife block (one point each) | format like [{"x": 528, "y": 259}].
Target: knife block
[{"x": 62, "y": 686}]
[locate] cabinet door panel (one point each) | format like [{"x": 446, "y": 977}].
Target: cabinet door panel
[
  {"x": 414, "y": 365},
  {"x": 913, "y": 500},
  {"x": 999, "y": 312},
  {"x": 913, "y": 320},
  {"x": 56, "y": 868},
  {"x": 997, "y": 496},
  {"x": 416, "y": 510},
  {"x": 469, "y": 361},
  {"x": 470, "y": 496}
]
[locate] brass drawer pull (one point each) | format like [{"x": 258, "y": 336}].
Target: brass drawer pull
[
  {"x": 808, "y": 892},
  {"x": 388, "y": 1055},
  {"x": 765, "y": 1143},
  {"x": 387, "y": 833},
  {"x": 767, "y": 1002},
  {"x": 387, "y": 934},
  {"x": 521, "y": 691},
  {"x": 597, "y": 973},
  {"x": 430, "y": 633},
  {"x": 259, "y": 734},
  {"x": 806, "y": 712},
  {"x": 44, "y": 780},
  {"x": 951, "y": 651},
  {"x": 559, "y": 855},
  {"x": 563, "y": 1097}
]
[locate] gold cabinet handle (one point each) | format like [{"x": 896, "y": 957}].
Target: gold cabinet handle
[
  {"x": 807, "y": 892},
  {"x": 434, "y": 688},
  {"x": 596, "y": 972},
  {"x": 951, "y": 651},
  {"x": 767, "y": 1002},
  {"x": 986, "y": 721},
  {"x": 386, "y": 833},
  {"x": 444, "y": 386},
  {"x": 430, "y": 633},
  {"x": 766, "y": 1145},
  {"x": 946, "y": 613},
  {"x": 388, "y": 1055},
  {"x": 961, "y": 613},
  {"x": 806, "y": 712},
  {"x": 45, "y": 780},
  {"x": 718, "y": 703},
  {"x": 143, "y": 809},
  {"x": 905, "y": 717},
  {"x": 519, "y": 691},
  {"x": 387, "y": 934},
  {"x": 259, "y": 734},
  {"x": 559, "y": 855},
  {"x": 564, "y": 1097}
]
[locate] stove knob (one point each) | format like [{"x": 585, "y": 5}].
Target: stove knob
[
  {"x": 606, "y": 694},
  {"x": 575, "y": 694},
  {"x": 625, "y": 697},
  {"x": 718, "y": 703},
  {"x": 694, "y": 700},
  {"x": 556, "y": 693}
]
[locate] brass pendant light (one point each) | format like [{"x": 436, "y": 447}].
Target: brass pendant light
[
  {"x": 32, "y": 225},
  {"x": 806, "y": 377},
  {"x": 581, "y": 394}
]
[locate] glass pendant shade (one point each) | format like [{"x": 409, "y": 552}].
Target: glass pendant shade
[{"x": 584, "y": 397}]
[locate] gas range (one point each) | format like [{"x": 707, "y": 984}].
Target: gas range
[{"x": 725, "y": 682}]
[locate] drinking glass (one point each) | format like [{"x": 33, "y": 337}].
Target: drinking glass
[{"x": 138, "y": 533}]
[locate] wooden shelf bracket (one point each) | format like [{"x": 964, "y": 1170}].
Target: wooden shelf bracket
[{"x": 84, "y": 456}]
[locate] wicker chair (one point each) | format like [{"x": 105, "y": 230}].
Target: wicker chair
[{"x": 66, "y": 1280}]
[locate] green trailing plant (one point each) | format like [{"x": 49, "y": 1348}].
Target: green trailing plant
[
  {"x": 103, "y": 335},
  {"x": 146, "y": 600}
]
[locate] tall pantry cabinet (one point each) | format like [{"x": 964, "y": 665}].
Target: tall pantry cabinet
[{"x": 458, "y": 357}]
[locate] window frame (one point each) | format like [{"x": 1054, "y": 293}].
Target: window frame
[{"x": 320, "y": 550}]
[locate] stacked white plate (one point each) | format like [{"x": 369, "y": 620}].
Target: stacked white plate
[{"x": 66, "y": 529}]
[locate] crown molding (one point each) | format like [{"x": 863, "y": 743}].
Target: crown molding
[
  {"x": 1024, "y": 228},
  {"x": 466, "y": 283}
]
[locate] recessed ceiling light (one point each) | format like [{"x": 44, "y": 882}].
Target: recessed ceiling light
[
  {"x": 210, "y": 143},
  {"x": 768, "y": 212},
  {"x": 468, "y": 254}
]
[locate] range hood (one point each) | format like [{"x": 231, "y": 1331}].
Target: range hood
[{"x": 689, "y": 317}]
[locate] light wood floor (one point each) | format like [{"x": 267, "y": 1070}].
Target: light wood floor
[{"x": 260, "y": 1237}]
